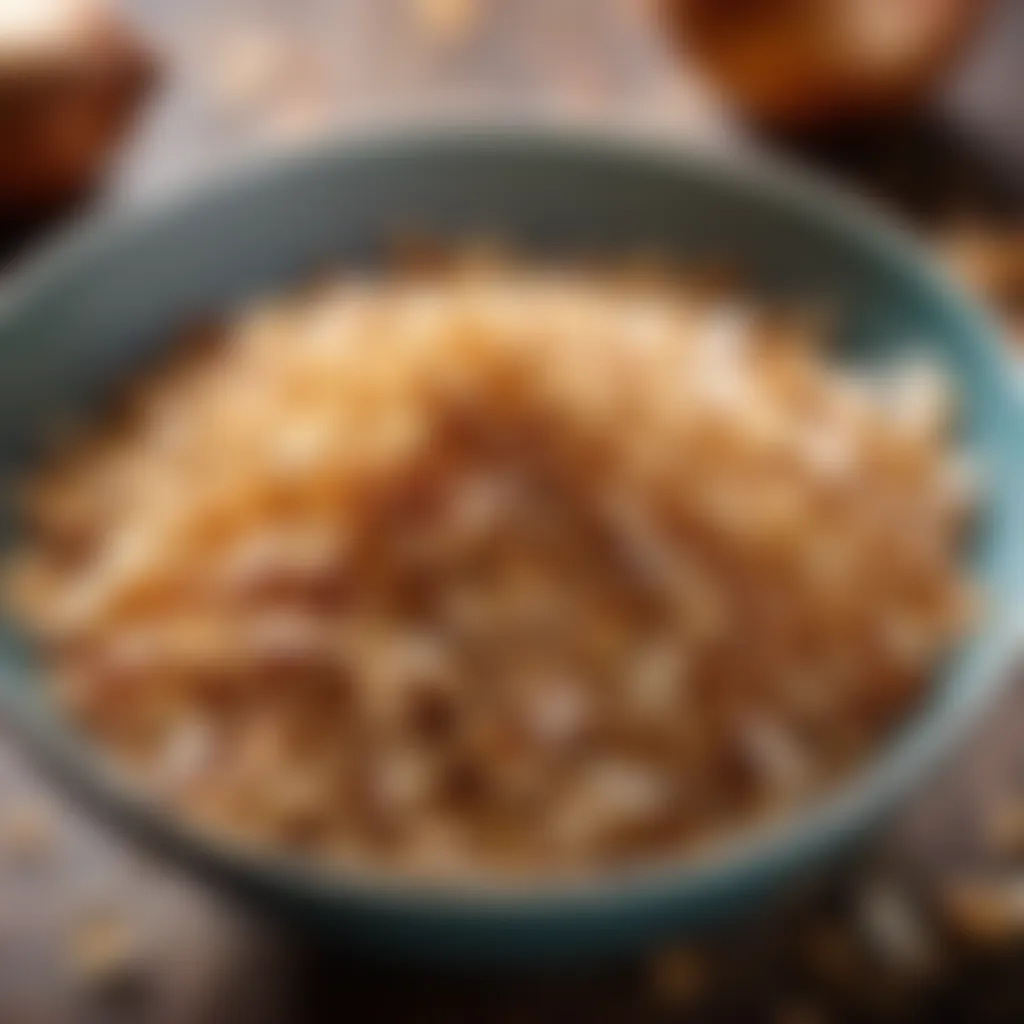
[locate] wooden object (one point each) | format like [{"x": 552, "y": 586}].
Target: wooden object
[
  {"x": 72, "y": 75},
  {"x": 806, "y": 62}
]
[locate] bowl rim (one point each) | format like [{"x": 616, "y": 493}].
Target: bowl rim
[{"x": 864, "y": 793}]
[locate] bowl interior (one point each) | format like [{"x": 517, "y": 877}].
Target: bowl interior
[{"x": 111, "y": 297}]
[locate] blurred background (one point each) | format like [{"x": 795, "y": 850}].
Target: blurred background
[{"x": 913, "y": 103}]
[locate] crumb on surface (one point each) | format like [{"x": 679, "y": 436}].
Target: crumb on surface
[
  {"x": 248, "y": 64},
  {"x": 801, "y": 1012},
  {"x": 102, "y": 949},
  {"x": 985, "y": 911},
  {"x": 1002, "y": 827},
  {"x": 894, "y": 928},
  {"x": 831, "y": 953},
  {"x": 678, "y": 975},
  {"x": 989, "y": 260},
  {"x": 447, "y": 23},
  {"x": 26, "y": 832}
]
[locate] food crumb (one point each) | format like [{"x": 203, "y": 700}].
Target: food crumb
[
  {"x": 894, "y": 929},
  {"x": 1002, "y": 828},
  {"x": 986, "y": 912},
  {"x": 831, "y": 954},
  {"x": 800, "y": 1013},
  {"x": 678, "y": 976},
  {"x": 446, "y": 23},
  {"x": 102, "y": 950},
  {"x": 26, "y": 833},
  {"x": 990, "y": 261},
  {"x": 248, "y": 65},
  {"x": 300, "y": 115}
]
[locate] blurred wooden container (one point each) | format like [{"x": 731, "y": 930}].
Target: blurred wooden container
[
  {"x": 72, "y": 77},
  {"x": 808, "y": 63}
]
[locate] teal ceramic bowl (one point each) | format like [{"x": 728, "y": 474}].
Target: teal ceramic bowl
[{"x": 103, "y": 301}]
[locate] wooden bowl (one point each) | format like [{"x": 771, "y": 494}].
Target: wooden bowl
[
  {"x": 72, "y": 76},
  {"x": 805, "y": 63}
]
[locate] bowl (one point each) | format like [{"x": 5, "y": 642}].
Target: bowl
[
  {"x": 805, "y": 66},
  {"x": 103, "y": 301}
]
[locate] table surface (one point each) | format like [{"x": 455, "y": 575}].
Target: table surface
[{"x": 199, "y": 960}]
